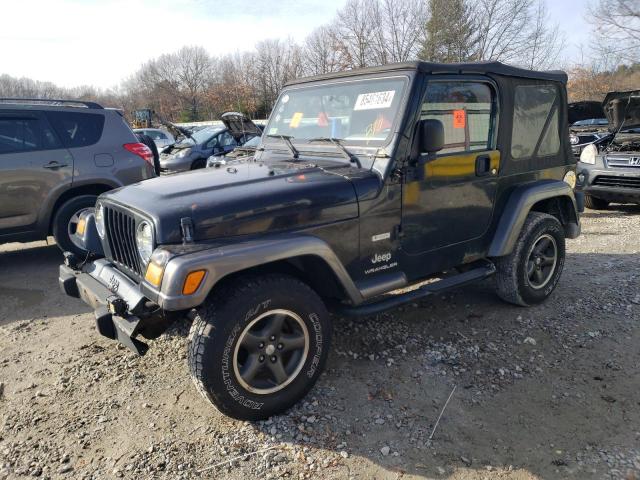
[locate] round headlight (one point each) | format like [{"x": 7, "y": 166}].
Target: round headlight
[
  {"x": 589, "y": 154},
  {"x": 574, "y": 139},
  {"x": 570, "y": 178},
  {"x": 100, "y": 219},
  {"x": 144, "y": 240}
]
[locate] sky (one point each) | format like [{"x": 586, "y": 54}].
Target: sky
[{"x": 102, "y": 42}]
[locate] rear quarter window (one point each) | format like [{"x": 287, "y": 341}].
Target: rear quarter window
[
  {"x": 77, "y": 129},
  {"x": 535, "y": 121}
]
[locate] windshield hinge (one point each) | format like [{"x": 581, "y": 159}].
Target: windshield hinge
[{"x": 186, "y": 225}]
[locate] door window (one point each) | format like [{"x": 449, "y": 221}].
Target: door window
[
  {"x": 467, "y": 112},
  {"x": 535, "y": 121}
]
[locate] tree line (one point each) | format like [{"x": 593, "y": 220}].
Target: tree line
[{"x": 191, "y": 84}]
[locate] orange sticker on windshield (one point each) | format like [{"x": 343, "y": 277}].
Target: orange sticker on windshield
[
  {"x": 296, "y": 119},
  {"x": 459, "y": 118}
]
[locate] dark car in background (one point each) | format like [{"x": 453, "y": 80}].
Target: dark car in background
[
  {"x": 56, "y": 157},
  {"x": 587, "y": 124},
  {"x": 192, "y": 153},
  {"x": 609, "y": 168}
]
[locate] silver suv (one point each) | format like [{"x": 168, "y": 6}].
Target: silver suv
[{"x": 56, "y": 157}]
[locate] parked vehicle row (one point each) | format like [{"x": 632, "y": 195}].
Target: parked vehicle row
[
  {"x": 56, "y": 157},
  {"x": 363, "y": 183},
  {"x": 609, "y": 165},
  {"x": 193, "y": 152}
]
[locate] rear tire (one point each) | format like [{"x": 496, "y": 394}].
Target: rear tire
[
  {"x": 258, "y": 345},
  {"x": 595, "y": 203},
  {"x": 65, "y": 221},
  {"x": 531, "y": 272}
]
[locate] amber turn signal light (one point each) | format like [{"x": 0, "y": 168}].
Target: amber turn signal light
[
  {"x": 154, "y": 274},
  {"x": 193, "y": 281}
]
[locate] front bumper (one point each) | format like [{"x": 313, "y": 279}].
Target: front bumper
[
  {"x": 609, "y": 183},
  {"x": 170, "y": 163},
  {"x": 122, "y": 313}
]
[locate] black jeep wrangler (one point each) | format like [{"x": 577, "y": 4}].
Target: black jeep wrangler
[{"x": 366, "y": 182}]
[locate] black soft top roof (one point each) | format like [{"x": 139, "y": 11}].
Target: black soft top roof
[{"x": 496, "y": 68}]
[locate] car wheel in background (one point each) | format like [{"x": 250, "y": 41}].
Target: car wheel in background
[
  {"x": 65, "y": 221},
  {"x": 595, "y": 203},
  {"x": 200, "y": 163}
]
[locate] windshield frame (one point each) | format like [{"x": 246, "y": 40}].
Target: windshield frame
[{"x": 363, "y": 151}]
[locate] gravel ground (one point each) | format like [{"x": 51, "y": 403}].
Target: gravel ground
[{"x": 544, "y": 392}]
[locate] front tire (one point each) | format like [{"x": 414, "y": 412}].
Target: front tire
[
  {"x": 531, "y": 272},
  {"x": 65, "y": 222},
  {"x": 257, "y": 346},
  {"x": 595, "y": 203}
]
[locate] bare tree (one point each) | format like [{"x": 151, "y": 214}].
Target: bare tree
[
  {"x": 320, "y": 54},
  {"x": 617, "y": 24},
  {"x": 543, "y": 41},
  {"x": 354, "y": 33},
  {"x": 516, "y": 31},
  {"x": 278, "y": 61},
  {"x": 401, "y": 30}
]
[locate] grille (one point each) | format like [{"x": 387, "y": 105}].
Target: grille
[
  {"x": 623, "y": 161},
  {"x": 121, "y": 235},
  {"x": 620, "y": 182}
]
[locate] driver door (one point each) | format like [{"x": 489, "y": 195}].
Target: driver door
[{"x": 453, "y": 203}]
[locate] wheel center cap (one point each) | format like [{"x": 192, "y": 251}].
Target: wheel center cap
[
  {"x": 270, "y": 349},
  {"x": 538, "y": 261}
]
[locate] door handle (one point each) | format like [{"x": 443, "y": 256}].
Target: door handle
[
  {"x": 483, "y": 166},
  {"x": 54, "y": 165}
]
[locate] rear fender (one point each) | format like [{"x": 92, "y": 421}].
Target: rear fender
[{"x": 521, "y": 201}]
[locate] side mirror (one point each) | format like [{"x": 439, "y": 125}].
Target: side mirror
[{"x": 431, "y": 136}]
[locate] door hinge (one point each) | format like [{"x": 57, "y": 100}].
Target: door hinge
[{"x": 397, "y": 233}]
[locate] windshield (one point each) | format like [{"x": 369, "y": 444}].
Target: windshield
[
  {"x": 254, "y": 142},
  {"x": 359, "y": 112},
  {"x": 204, "y": 134}
]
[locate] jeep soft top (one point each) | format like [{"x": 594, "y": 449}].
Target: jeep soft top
[{"x": 365, "y": 182}]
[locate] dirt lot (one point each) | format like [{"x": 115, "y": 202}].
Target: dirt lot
[{"x": 545, "y": 392}]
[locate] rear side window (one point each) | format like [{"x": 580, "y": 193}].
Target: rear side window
[
  {"x": 466, "y": 110},
  {"x": 77, "y": 129},
  {"x": 535, "y": 122},
  {"x": 25, "y": 134}
]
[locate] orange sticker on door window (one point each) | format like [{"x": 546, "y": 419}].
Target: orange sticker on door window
[
  {"x": 295, "y": 120},
  {"x": 459, "y": 118}
]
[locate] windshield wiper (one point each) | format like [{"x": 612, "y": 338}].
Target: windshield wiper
[
  {"x": 338, "y": 143},
  {"x": 287, "y": 140}
]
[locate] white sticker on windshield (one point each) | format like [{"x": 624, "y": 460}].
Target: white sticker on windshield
[{"x": 370, "y": 101}]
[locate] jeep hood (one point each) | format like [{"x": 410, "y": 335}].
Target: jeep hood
[
  {"x": 248, "y": 197},
  {"x": 622, "y": 109}
]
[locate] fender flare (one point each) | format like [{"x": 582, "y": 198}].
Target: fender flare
[
  {"x": 518, "y": 206},
  {"x": 222, "y": 261}
]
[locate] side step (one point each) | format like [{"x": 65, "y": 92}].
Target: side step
[{"x": 392, "y": 301}]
